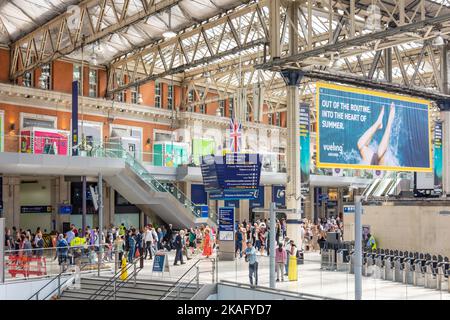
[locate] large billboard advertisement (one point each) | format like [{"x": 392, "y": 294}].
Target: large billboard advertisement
[{"x": 361, "y": 129}]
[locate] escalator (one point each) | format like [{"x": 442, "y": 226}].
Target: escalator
[{"x": 139, "y": 187}]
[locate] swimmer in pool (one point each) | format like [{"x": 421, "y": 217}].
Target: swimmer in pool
[{"x": 376, "y": 157}]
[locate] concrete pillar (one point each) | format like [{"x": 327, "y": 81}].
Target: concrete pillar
[
  {"x": 55, "y": 202},
  {"x": 293, "y": 185},
  {"x": 106, "y": 205},
  {"x": 311, "y": 204},
  {"x": 112, "y": 206},
  {"x": 64, "y": 197},
  {"x": 244, "y": 210},
  {"x": 11, "y": 201},
  {"x": 141, "y": 219},
  {"x": 309, "y": 208},
  {"x": 267, "y": 196}
]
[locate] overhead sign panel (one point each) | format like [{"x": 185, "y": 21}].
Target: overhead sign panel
[
  {"x": 232, "y": 177},
  {"x": 361, "y": 129}
]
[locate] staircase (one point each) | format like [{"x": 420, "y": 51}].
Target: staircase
[
  {"x": 144, "y": 290},
  {"x": 142, "y": 189}
]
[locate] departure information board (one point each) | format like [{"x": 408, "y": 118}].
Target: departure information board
[{"x": 232, "y": 177}]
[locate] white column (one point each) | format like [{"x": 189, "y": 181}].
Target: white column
[{"x": 293, "y": 191}]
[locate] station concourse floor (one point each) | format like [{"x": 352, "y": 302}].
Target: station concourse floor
[{"x": 311, "y": 280}]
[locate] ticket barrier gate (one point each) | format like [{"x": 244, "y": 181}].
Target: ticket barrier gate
[
  {"x": 379, "y": 263},
  {"x": 443, "y": 270},
  {"x": 419, "y": 271},
  {"x": 388, "y": 268},
  {"x": 326, "y": 258},
  {"x": 431, "y": 278},
  {"x": 399, "y": 269},
  {"x": 368, "y": 264},
  {"x": 408, "y": 269},
  {"x": 342, "y": 260}
]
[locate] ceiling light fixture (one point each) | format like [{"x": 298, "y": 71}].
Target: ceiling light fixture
[
  {"x": 438, "y": 41},
  {"x": 169, "y": 34}
]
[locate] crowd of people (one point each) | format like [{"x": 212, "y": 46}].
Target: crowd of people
[
  {"x": 24, "y": 241},
  {"x": 253, "y": 239},
  {"x": 118, "y": 243}
]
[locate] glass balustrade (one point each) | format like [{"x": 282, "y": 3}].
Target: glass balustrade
[{"x": 116, "y": 150}]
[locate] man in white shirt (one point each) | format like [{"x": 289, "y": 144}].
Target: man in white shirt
[
  {"x": 155, "y": 240},
  {"x": 302, "y": 236},
  {"x": 148, "y": 240}
]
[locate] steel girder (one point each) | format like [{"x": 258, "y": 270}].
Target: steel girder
[
  {"x": 402, "y": 26},
  {"x": 214, "y": 40},
  {"x": 73, "y": 30}
]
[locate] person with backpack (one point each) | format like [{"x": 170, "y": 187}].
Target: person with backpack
[
  {"x": 39, "y": 245},
  {"x": 168, "y": 238},
  {"x": 238, "y": 247},
  {"x": 62, "y": 250},
  {"x": 138, "y": 238},
  {"x": 178, "y": 244},
  {"x": 131, "y": 246}
]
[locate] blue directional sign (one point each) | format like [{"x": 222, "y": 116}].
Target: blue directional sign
[
  {"x": 234, "y": 176},
  {"x": 233, "y": 195},
  {"x": 209, "y": 173},
  {"x": 226, "y": 224}
]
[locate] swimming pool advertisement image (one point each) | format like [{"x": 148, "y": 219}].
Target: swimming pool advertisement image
[
  {"x": 362, "y": 129},
  {"x": 438, "y": 157}
]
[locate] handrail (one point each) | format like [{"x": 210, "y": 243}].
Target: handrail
[
  {"x": 55, "y": 278},
  {"x": 172, "y": 288},
  {"x": 178, "y": 283},
  {"x": 123, "y": 282},
  {"x": 112, "y": 279}
]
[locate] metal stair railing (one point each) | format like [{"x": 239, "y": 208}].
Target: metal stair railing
[
  {"x": 113, "y": 280},
  {"x": 116, "y": 287},
  {"x": 180, "y": 287},
  {"x": 116, "y": 150},
  {"x": 58, "y": 278}
]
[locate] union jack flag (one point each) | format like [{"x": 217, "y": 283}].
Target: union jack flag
[{"x": 235, "y": 136}]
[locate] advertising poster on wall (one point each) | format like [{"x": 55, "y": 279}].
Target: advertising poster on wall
[
  {"x": 202, "y": 147},
  {"x": 438, "y": 157},
  {"x": 25, "y": 142},
  {"x": 305, "y": 152},
  {"x": 361, "y": 129},
  {"x": 50, "y": 143},
  {"x": 44, "y": 142}
]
